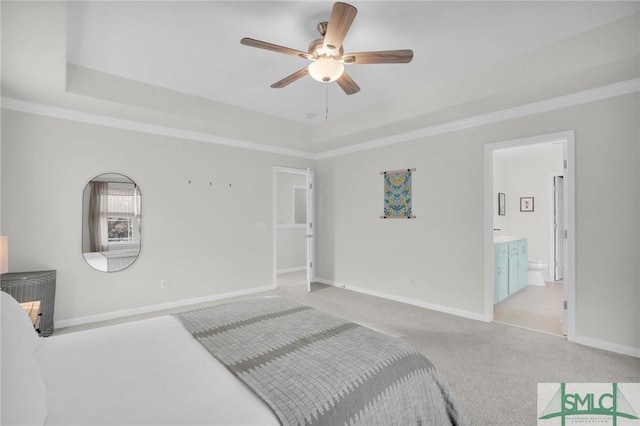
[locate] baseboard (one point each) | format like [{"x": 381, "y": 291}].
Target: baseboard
[
  {"x": 607, "y": 346},
  {"x": 154, "y": 308},
  {"x": 298, "y": 269},
  {"x": 581, "y": 340},
  {"x": 401, "y": 299}
]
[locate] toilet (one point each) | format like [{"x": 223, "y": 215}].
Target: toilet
[{"x": 535, "y": 272}]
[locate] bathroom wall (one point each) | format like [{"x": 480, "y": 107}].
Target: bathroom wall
[{"x": 291, "y": 244}]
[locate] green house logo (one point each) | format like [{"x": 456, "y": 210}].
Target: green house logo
[{"x": 589, "y": 403}]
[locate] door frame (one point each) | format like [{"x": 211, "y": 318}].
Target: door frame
[
  {"x": 567, "y": 138},
  {"x": 308, "y": 173},
  {"x": 552, "y": 235}
]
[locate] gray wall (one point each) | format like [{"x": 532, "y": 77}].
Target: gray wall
[
  {"x": 443, "y": 248},
  {"x": 202, "y": 238}
]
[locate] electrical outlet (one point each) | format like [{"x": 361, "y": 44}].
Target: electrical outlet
[
  {"x": 164, "y": 284},
  {"x": 409, "y": 280}
]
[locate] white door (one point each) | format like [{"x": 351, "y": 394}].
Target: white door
[
  {"x": 558, "y": 227},
  {"x": 310, "y": 229},
  {"x": 293, "y": 223}
]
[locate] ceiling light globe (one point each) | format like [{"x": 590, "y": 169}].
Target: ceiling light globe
[{"x": 325, "y": 69}]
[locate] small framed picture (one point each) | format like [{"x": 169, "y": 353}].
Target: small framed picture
[
  {"x": 502, "y": 207},
  {"x": 526, "y": 204}
]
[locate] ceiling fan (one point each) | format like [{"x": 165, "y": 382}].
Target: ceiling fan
[{"x": 327, "y": 53}]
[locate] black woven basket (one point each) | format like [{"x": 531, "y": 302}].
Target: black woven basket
[{"x": 30, "y": 287}]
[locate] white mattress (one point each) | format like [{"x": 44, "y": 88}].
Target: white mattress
[{"x": 149, "y": 372}]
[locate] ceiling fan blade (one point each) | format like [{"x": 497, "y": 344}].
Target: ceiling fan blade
[
  {"x": 290, "y": 78},
  {"x": 347, "y": 84},
  {"x": 379, "y": 57},
  {"x": 274, "y": 47},
  {"x": 340, "y": 21}
]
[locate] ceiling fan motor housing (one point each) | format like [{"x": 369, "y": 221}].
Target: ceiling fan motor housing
[
  {"x": 322, "y": 28},
  {"x": 316, "y": 49}
]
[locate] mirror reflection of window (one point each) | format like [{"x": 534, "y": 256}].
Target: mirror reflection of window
[
  {"x": 123, "y": 213},
  {"x": 112, "y": 212}
]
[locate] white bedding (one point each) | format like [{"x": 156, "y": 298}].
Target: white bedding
[
  {"x": 160, "y": 372},
  {"x": 149, "y": 372}
]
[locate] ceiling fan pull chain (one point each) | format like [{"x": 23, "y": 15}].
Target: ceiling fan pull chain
[{"x": 326, "y": 111}]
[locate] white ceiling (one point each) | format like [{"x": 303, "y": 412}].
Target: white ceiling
[{"x": 194, "y": 47}]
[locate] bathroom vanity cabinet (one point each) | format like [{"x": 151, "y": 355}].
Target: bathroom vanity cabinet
[{"x": 510, "y": 266}]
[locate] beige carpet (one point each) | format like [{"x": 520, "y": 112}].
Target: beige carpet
[{"x": 493, "y": 368}]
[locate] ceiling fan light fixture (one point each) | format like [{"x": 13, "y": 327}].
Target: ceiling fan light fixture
[{"x": 326, "y": 69}]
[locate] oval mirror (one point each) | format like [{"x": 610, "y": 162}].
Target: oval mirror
[{"x": 111, "y": 218}]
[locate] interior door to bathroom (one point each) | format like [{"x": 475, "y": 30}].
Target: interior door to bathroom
[{"x": 558, "y": 227}]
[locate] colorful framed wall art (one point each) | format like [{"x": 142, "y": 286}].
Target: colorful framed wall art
[{"x": 397, "y": 194}]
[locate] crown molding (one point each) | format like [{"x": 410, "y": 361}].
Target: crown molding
[
  {"x": 137, "y": 126},
  {"x": 578, "y": 98}
]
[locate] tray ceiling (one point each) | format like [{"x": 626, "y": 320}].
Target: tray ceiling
[{"x": 194, "y": 47}]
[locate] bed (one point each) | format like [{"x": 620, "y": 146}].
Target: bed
[{"x": 264, "y": 361}]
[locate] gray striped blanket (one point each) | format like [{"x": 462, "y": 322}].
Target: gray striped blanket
[{"x": 312, "y": 368}]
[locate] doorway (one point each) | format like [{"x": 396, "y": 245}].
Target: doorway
[
  {"x": 292, "y": 227},
  {"x": 520, "y": 172}
]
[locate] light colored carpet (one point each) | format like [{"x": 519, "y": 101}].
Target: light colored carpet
[{"x": 493, "y": 368}]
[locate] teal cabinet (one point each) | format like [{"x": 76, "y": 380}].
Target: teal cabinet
[
  {"x": 510, "y": 268},
  {"x": 501, "y": 273},
  {"x": 523, "y": 264},
  {"x": 514, "y": 274}
]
